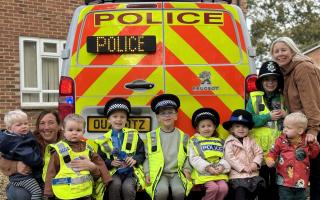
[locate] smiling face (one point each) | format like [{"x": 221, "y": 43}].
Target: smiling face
[
  {"x": 73, "y": 130},
  {"x": 118, "y": 120},
  {"x": 206, "y": 128},
  {"x": 269, "y": 83},
  {"x": 282, "y": 53},
  {"x": 167, "y": 117},
  {"x": 49, "y": 128},
  {"x": 239, "y": 130}
]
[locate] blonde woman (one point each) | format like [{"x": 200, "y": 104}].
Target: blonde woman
[{"x": 301, "y": 93}]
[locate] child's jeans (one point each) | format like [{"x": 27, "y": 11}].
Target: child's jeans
[
  {"x": 215, "y": 190},
  {"x": 288, "y": 193},
  {"x": 124, "y": 186},
  {"x": 14, "y": 193}
]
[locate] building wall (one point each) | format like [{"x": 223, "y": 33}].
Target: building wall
[
  {"x": 47, "y": 19},
  {"x": 315, "y": 56},
  {"x": 31, "y": 18}
]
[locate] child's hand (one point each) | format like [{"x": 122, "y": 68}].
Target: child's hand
[
  {"x": 187, "y": 174},
  {"x": 270, "y": 162},
  {"x": 148, "y": 180},
  {"x": 276, "y": 114},
  {"x": 247, "y": 170},
  {"x": 212, "y": 170},
  {"x": 130, "y": 161},
  {"x": 84, "y": 163},
  {"x": 116, "y": 163},
  {"x": 253, "y": 167},
  {"x": 219, "y": 169},
  {"x": 23, "y": 168}
]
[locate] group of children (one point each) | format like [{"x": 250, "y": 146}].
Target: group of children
[{"x": 265, "y": 152}]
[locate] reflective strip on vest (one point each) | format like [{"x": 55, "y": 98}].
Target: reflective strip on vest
[
  {"x": 197, "y": 145},
  {"x": 153, "y": 141},
  {"x": 129, "y": 140},
  {"x": 68, "y": 180}
]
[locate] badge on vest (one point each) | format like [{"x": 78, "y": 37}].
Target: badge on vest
[{"x": 59, "y": 181}]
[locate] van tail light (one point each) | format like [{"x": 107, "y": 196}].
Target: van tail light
[
  {"x": 250, "y": 84},
  {"x": 66, "y": 97}
]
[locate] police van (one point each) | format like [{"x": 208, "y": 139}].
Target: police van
[{"x": 199, "y": 51}]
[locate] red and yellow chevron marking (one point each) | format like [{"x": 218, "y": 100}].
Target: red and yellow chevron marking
[{"x": 183, "y": 52}]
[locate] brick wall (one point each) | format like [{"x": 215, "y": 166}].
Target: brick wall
[
  {"x": 315, "y": 56},
  {"x": 31, "y": 18}
]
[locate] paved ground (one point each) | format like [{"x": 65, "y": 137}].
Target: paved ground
[{"x": 3, "y": 184}]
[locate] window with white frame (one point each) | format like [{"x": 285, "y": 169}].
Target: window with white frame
[{"x": 40, "y": 66}]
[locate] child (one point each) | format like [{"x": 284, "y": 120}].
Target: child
[
  {"x": 206, "y": 155},
  {"x": 267, "y": 109},
  {"x": 166, "y": 149},
  {"x": 18, "y": 143},
  {"x": 123, "y": 152},
  {"x": 244, "y": 155},
  {"x": 291, "y": 154},
  {"x": 73, "y": 165}
]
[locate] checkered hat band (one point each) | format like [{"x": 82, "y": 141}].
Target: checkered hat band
[
  {"x": 203, "y": 113},
  {"x": 118, "y": 107},
  {"x": 165, "y": 103},
  {"x": 239, "y": 118}
]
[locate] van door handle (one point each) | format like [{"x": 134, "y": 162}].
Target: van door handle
[{"x": 139, "y": 85}]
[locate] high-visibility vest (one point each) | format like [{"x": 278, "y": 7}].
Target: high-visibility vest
[
  {"x": 211, "y": 150},
  {"x": 129, "y": 145},
  {"x": 264, "y": 136},
  {"x": 68, "y": 184},
  {"x": 156, "y": 160},
  {"x": 46, "y": 159}
]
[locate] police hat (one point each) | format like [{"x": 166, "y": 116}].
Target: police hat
[
  {"x": 117, "y": 104},
  {"x": 239, "y": 116},
  {"x": 205, "y": 113},
  {"x": 165, "y": 101},
  {"x": 269, "y": 68}
]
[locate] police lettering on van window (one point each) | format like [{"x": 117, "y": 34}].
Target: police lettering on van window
[{"x": 175, "y": 18}]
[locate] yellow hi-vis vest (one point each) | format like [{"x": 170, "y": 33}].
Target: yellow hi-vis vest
[
  {"x": 46, "y": 158},
  {"x": 129, "y": 145},
  {"x": 211, "y": 150},
  {"x": 68, "y": 184},
  {"x": 264, "y": 136},
  {"x": 156, "y": 160}
]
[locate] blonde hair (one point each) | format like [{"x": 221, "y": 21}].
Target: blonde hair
[
  {"x": 75, "y": 118},
  {"x": 13, "y": 116},
  {"x": 299, "y": 119}
]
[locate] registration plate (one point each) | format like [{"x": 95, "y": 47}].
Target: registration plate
[{"x": 100, "y": 124}]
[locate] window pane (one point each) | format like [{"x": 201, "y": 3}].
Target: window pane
[
  {"x": 30, "y": 63},
  {"x": 50, "y": 97},
  {"x": 30, "y": 97},
  {"x": 50, "y": 47},
  {"x": 50, "y": 73}
]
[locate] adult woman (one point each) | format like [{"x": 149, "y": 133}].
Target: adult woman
[
  {"x": 301, "y": 93},
  {"x": 47, "y": 131}
]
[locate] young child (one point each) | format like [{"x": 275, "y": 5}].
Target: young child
[
  {"x": 244, "y": 155},
  {"x": 167, "y": 153},
  {"x": 73, "y": 166},
  {"x": 291, "y": 155},
  {"x": 267, "y": 109},
  {"x": 18, "y": 143},
  {"x": 206, "y": 155},
  {"x": 123, "y": 152}
]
